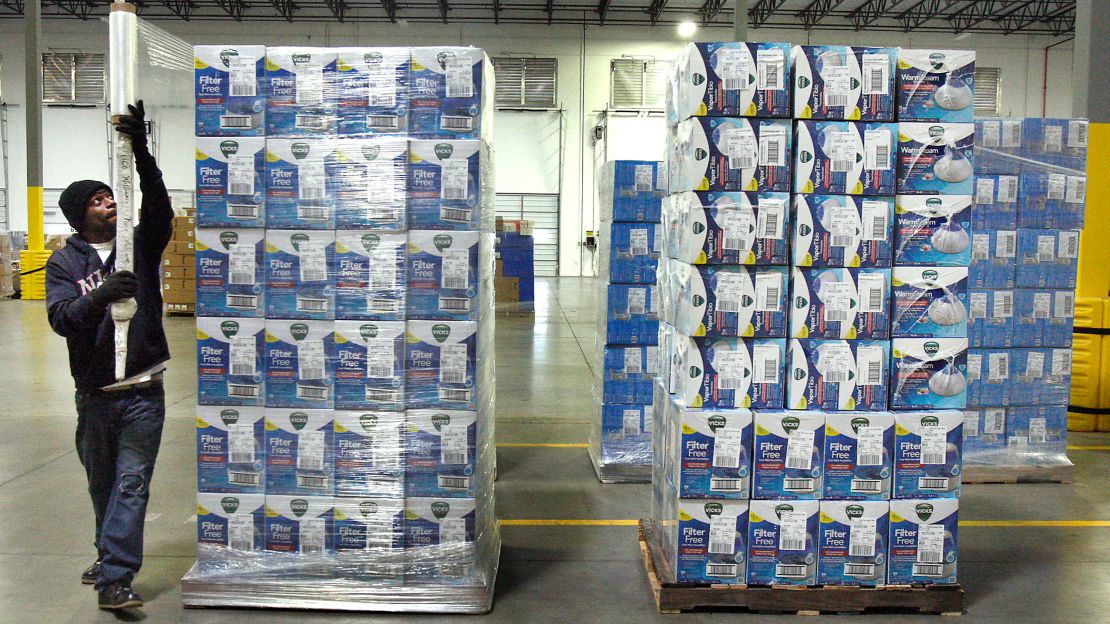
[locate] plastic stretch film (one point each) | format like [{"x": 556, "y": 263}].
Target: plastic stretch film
[{"x": 345, "y": 272}]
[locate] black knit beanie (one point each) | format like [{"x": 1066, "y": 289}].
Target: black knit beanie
[{"x": 73, "y": 200}]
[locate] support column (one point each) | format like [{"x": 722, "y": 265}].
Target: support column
[
  {"x": 740, "y": 21},
  {"x": 32, "y": 282}
]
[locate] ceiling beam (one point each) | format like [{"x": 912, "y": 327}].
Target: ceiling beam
[
  {"x": 496, "y": 11},
  {"x": 762, "y": 11},
  {"x": 550, "y": 10},
  {"x": 285, "y": 8},
  {"x": 15, "y": 6},
  {"x": 709, "y": 10},
  {"x": 816, "y": 11},
  {"x": 925, "y": 10},
  {"x": 182, "y": 9},
  {"x": 390, "y": 7},
  {"x": 443, "y": 9},
  {"x": 656, "y": 9},
  {"x": 602, "y": 11},
  {"x": 338, "y": 8},
  {"x": 1033, "y": 12},
  {"x": 234, "y": 8},
  {"x": 869, "y": 12}
]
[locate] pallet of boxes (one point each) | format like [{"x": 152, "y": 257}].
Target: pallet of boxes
[
  {"x": 179, "y": 277},
  {"x": 813, "y": 343},
  {"x": 515, "y": 269}
]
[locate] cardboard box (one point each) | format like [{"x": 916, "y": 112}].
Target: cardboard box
[
  {"x": 229, "y": 92},
  {"x": 181, "y": 248},
  {"x": 928, "y": 454},
  {"x": 852, "y": 546},
  {"x": 179, "y": 272},
  {"x": 845, "y": 157},
  {"x": 923, "y": 542}
]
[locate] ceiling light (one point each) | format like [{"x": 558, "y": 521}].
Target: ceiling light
[{"x": 687, "y": 29}]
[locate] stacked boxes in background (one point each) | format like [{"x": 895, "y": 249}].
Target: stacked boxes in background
[
  {"x": 626, "y": 351},
  {"x": 8, "y": 269},
  {"x": 814, "y": 437},
  {"x": 515, "y": 272},
  {"x": 179, "y": 286},
  {"x": 1030, "y": 196},
  {"x": 344, "y": 283}
]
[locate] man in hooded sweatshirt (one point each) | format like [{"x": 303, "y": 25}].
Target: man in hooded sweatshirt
[{"x": 119, "y": 424}]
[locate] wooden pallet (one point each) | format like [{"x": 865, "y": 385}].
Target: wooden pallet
[
  {"x": 945, "y": 600},
  {"x": 1019, "y": 474}
]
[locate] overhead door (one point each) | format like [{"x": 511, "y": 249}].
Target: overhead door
[{"x": 542, "y": 210}]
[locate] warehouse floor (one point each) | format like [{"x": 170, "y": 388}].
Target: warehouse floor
[{"x": 1044, "y": 555}]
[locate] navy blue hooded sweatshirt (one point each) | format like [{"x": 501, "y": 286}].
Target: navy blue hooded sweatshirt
[{"x": 75, "y": 270}]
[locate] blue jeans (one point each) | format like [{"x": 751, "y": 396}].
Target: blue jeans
[{"x": 118, "y": 435}]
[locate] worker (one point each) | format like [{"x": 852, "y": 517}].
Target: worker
[{"x": 119, "y": 424}]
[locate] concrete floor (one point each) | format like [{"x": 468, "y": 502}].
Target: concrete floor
[{"x": 578, "y": 573}]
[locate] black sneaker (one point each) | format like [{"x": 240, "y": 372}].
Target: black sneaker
[
  {"x": 119, "y": 595},
  {"x": 88, "y": 577}
]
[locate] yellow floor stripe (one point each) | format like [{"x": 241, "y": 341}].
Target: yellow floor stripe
[
  {"x": 1088, "y": 448},
  {"x": 964, "y": 523},
  {"x": 540, "y": 445}
]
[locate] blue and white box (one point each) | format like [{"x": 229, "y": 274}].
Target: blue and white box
[
  {"x": 439, "y": 529},
  {"x": 1057, "y": 330},
  {"x": 988, "y": 377},
  {"x": 627, "y": 374},
  {"x": 711, "y": 545},
  {"x": 1044, "y": 318},
  {"x": 634, "y": 251},
  {"x": 632, "y": 316},
  {"x": 231, "y": 451},
  {"x": 299, "y": 193},
  {"x": 372, "y": 90},
  {"x": 715, "y": 300},
  {"x": 1052, "y": 201},
  {"x": 626, "y": 433},
  {"x": 923, "y": 541},
  {"x": 300, "y": 364},
  {"x": 1037, "y": 430},
  {"x": 1058, "y": 142},
  {"x": 441, "y": 360},
  {"x": 370, "y": 365},
  {"x": 928, "y": 460},
  {"x": 991, "y": 323},
  {"x": 370, "y": 178},
  {"x": 231, "y": 520},
  {"x": 446, "y": 85},
  {"x": 714, "y": 453},
  {"x": 929, "y": 302},
  {"x": 984, "y": 432},
  {"x": 231, "y": 366},
  {"x": 300, "y": 524},
  {"x": 932, "y": 230},
  {"x": 369, "y": 453},
  {"x": 733, "y": 79},
  {"x": 1041, "y": 376},
  {"x": 440, "y": 449},
  {"x": 852, "y": 545},
  {"x": 230, "y": 272},
  {"x": 444, "y": 187},
  {"x": 730, "y": 372},
  {"x": 840, "y": 303},
  {"x": 300, "y": 274},
  {"x": 229, "y": 90},
  {"x": 996, "y": 202},
  {"x": 734, "y": 228},
  {"x": 843, "y": 231},
  {"x": 1047, "y": 258},
  {"x": 442, "y": 275},
  {"x": 832, "y": 375},
  {"x": 732, "y": 154},
  {"x": 845, "y": 157},
  {"x": 631, "y": 191},
  {"x": 374, "y": 526},
  {"x": 782, "y": 542},
  {"x": 936, "y": 85},
  {"x": 300, "y": 451},
  {"x": 999, "y": 147},
  {"x": 370, "y": 281},
  {"x": 231, "y": 182},
  {"x": 936, "y": 158},
  {"x": 301, "y": 93},
  {"x": 928, "y": 373},
  {"x": 788, "y": 459},
  {"x": 858, "y": 455},
  {"x": 993, "y": 258},
  {"x": 845, "y": 83}
]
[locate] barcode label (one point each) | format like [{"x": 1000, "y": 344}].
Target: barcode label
[
  {"x": 980, "y": 246},
  {"x": 741, "y": 146},
  {"x": 792, "y": 531},
  {"x": 454, "y": 394},
  {"x": 727, "y": 447},
  {"x": 459, "y": 215},
  {"x": 452, "y": 362},
  {"x": 789, "y": 570},
  {"x": 838, "y": 85},
  {"x": 876, "y": 150},
  {"x": 930, "y": 543},
  {"x": 977, "y": 305},
  {"x": 770, "y": 67},
  {"x": 933, "y": 483},
  {"x": 1046, "y": 248},
  {"x": 455, "y": 180},
  {"x": 872, "y": 295},
  {"x": 242, "y": 390},
  {"x": 456, "y": 268},
  {"x": 242, "y": 211},
  {"x": 768, "y": 290},
  {"x": 770, "y": 221},
  {"x": 310, "y": 85},
  {"x": 242, "y": 76},
  {"x": 732, "y": 68},
  {"x": 313, "y": 213},
  {"x": 861, "y": 537},
  {"x": 1011, "y": 133},
  {"x": 1061, "y": 362},
  {"x": 736, "y": 224},
  {"x": 859, "y": 569},
  {"x": 380, "y": 358},
  {"x": 315, "y": 482},
  {"x": 1056, "y": 185},
  {"x": 630, "y": 421},
  {"x": 239, "y": 477},
  {"x": 835, "y": 362},
  {"x": 994, "y": 420},
  {"x": 1038, "y": 431},
  {"x": 311, "y": 304},
  {"x": 874, "y": 214},
  {"x": 797, "y": 484},
  {"x": 314, "y": 262},
  {"x": 799, "y": 449},
  {"x": 867, "y": 486},
  {"x": 456, "y": 123},
  {"x": 312, "y": 535},
  {"x": 1053, "y": 139},
  {"x": 235, "y": 122},
  {"x": 242, "y": 267},
  {"x": 729, "y": 291},
  {"x": 453, "y": 446},
  {"x": 841, "y": 150},
  {"x": 633, "y": 359},
  {"x": 1042, "y": 305},
  {"x": 243, "y": 355},
  {"x": 1005, "y": 243},
  {"x": 1007, "y": 189},
  {"x": 312, "y": 393},
  {"x": 383, "y": 122},
  {"x": 766, "y": 364},
  {"x": 637, "y": 301},
  {"x": 642, "y": 178},
  {"x": 1077, "y": 133},
  {"x": 722, "y": 535},
  {"x": 724, "y": 570},
  {"x": 240, "y": 444},
  {"x": 240, "y": 175},
  {"x": 719, "y": 484},
  {"x": 772, "y": 146},
  {"x": 934, "y": 444},
  {"x": 971, "y": 417},
  {"x": 974, "y": 366},
  {"x": 460, "y": 82},
  {"x": 1069, "y": 244},
  {"x": 454, "y": 304},
  {"x": 984, "y": 191},
  {"x": 928, "y": 569},
  {"x": 992, "y": 133},
  {"x": 998, "y": 366},
  {"x": 382, "y": 395},
  {"x": 311, "y": 123},
  {"x": 876, "y": 74},
  {"x": 454, "y": 483},
  {"x": 311, "y": 187},
  {"x": 833, "y": 314},
  {"x": 240, "y": 532},
  {"x": 638, "y": 241},
  {"x": 1063, "y": 304},
  {"x": 310, "y": 450},
  {"x": 1003, "y": 303},
  {"x": 869, "y": 446},
  {"x": 310, "y": 359},
  {"x": 731, "y": 371}
]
